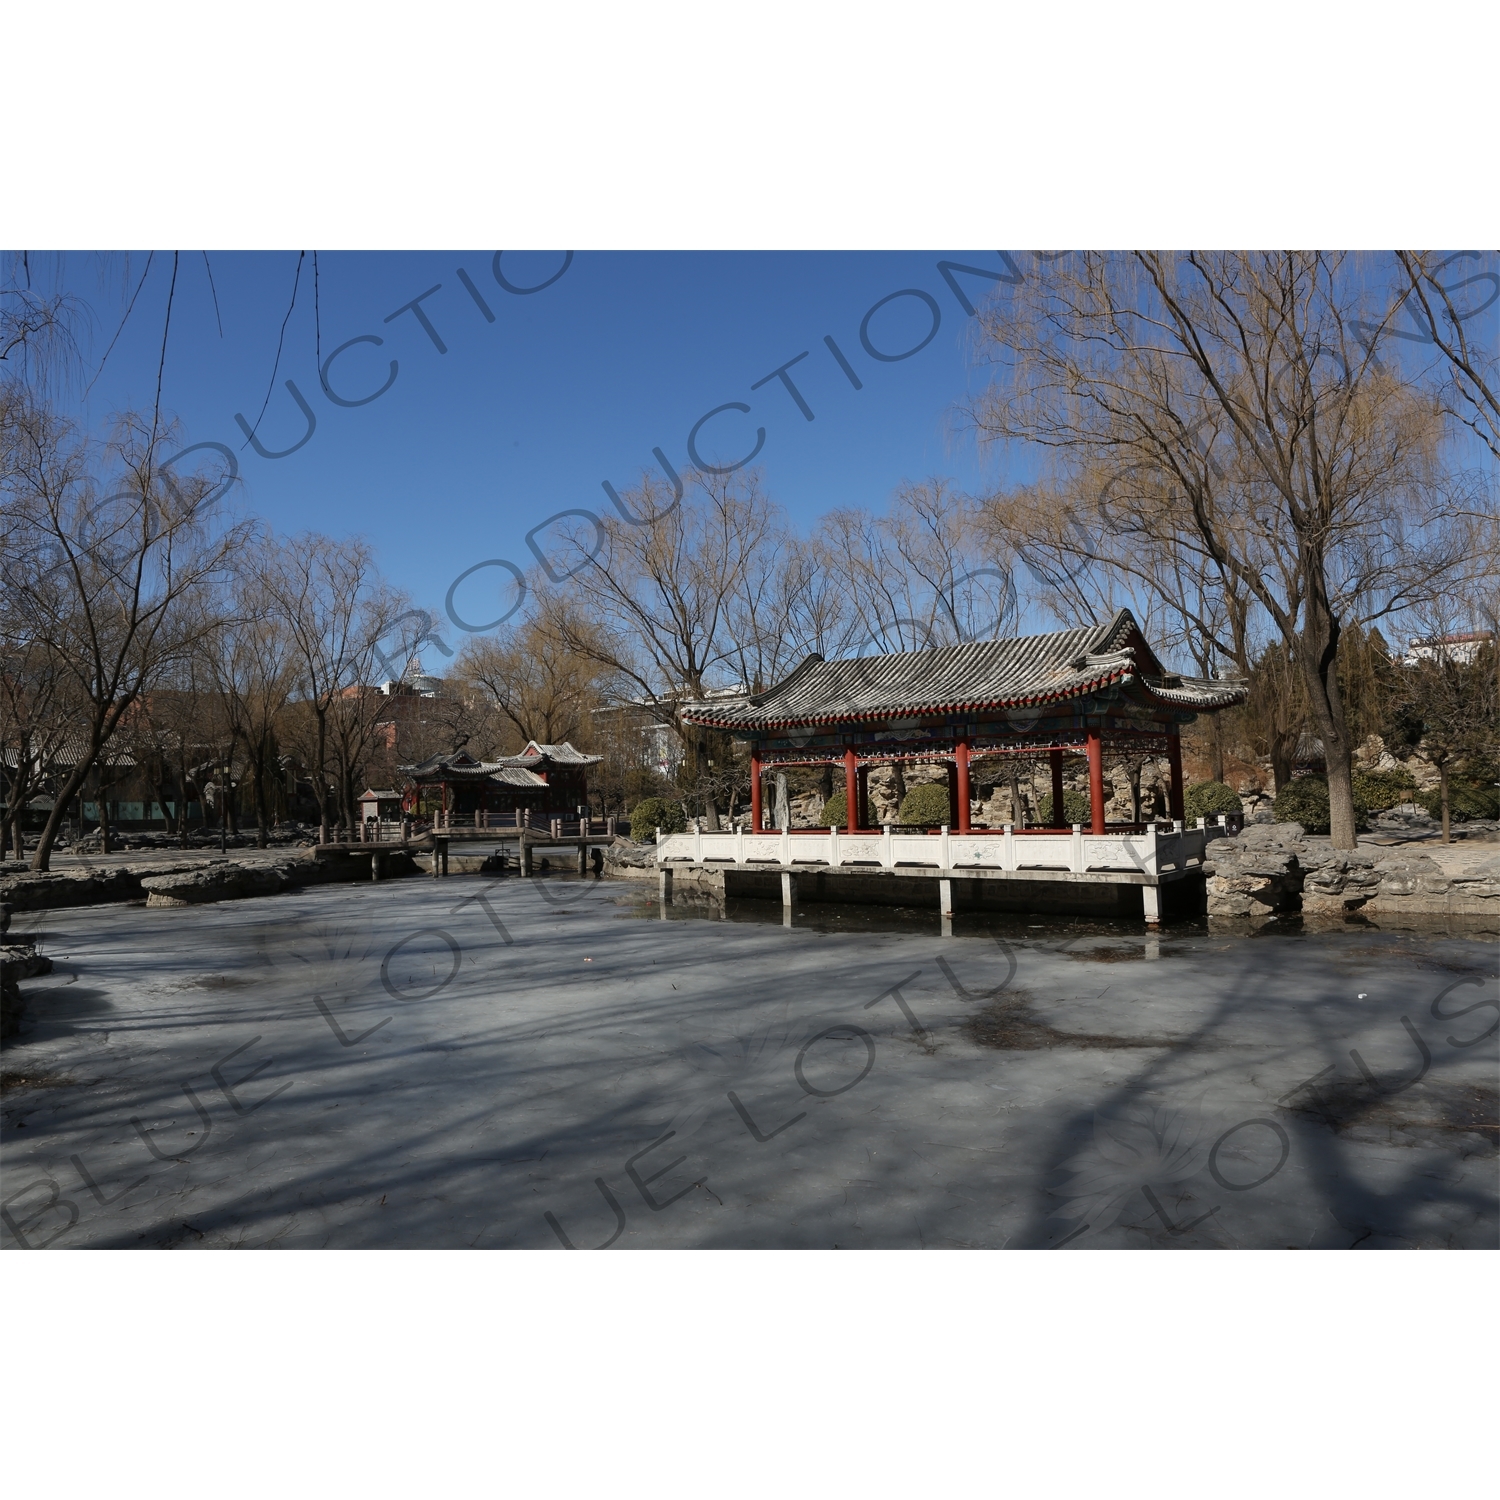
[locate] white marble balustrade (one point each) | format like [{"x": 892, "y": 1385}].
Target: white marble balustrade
[{"x": 1149, "y": 853}]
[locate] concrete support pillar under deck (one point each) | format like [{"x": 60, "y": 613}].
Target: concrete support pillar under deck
[
  {"x": 1151, "y": 903},
  {"x": 788, "y": 889}
]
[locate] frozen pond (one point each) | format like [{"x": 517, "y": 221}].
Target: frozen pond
[{"x": 513, "y": 1063}]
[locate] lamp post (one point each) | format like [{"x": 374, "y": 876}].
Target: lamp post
[{"x": 223, "y": 807}]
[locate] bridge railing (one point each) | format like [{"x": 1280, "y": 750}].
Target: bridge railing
[
  {"x": 512, "y": 822},
  {"x": 1151, "y": 852}
]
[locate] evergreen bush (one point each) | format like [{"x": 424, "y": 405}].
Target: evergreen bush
[
  {"x": 651, "y": 813},
  {"x": 1466, "y": 800},
  {"x": 835, "y": 812},
  {"x": 1379, "y": 790},
  {"x": 1304, "y": 800},
  {"x": 926, "y": 806},
  {"x": 1207, "y": 799},
  {"x": 1075, "y": 809}
]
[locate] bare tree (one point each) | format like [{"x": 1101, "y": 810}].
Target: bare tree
[
  {"x": 108, "y": 572},
  {"x": 330, "y": 599},
  {"x": 1450, "y": 317},
  {"x": 652, "y": 604},
  {"x": 540, "y": 687},
  {"x": 922, "y": 573},
  {"x": 253, "y": 666},
  {"x": 1232, "y": 407}
]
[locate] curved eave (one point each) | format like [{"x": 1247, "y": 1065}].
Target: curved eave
[{"x": 1172, "y": 698}]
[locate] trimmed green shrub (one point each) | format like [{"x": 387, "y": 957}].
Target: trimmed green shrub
[
  {"x": 1075, "y": 809},
  {"x": 651, "y": 813},
  {"x": 835, "y": 812},
  {"x": 1378, "y": 790},
  {"x": 1304, "y": 800},
  {"x": 1466, "y": 799},
  {"x": 926, "y": 806},
  {"x": 1207, "y": 799}
]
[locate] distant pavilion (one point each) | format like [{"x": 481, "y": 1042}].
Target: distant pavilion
[
  {"x": 546, "y": 780},
  {"x": 1096, "y": 691}
]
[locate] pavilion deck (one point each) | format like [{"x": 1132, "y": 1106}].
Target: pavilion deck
[{"x": 1149, "y": 856}]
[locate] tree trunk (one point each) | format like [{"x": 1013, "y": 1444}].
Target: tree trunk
[
  {"x": 1283, "y": 749},
  {"x": 1319, "y": 655},
  {"x": 1216, "y": 747},
  {"x": 258, "y": 790},
  {"x": 1133, "y": 771},
  {"x": 182, "y": 802},
  {"x": 1443, "y": 792},
  {"x": 105, "y": 845},
  {"x": 71, "y": 789},
  {"x": 324, "y": 818}
]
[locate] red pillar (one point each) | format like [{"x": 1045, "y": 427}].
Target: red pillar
[
  {"x": 863, "y": 813},
  {"x": 1096, "y": 781},
  {"x": 755, "y": 823},
  {"x": 961, "y": 763},
  {"x": 1059, "y": 817},
  {"x": 1174, "y": 762},
  {"x": 851, "y": 790}
]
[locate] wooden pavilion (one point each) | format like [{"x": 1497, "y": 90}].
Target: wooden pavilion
[
  {"x": 545, "y": 780},
  {"x": 1097, "y": 692}
]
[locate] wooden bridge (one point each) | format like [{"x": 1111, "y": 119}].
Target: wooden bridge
[{"x": 378, "y": 840}]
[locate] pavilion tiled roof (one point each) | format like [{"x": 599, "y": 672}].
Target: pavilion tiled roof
[
  {"x": 461, "y": 766},
  {"x": 978, "y": 675},
  {"x": 563, "y": 755}
]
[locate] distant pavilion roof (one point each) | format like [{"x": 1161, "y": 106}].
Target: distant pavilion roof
[
  {"x": 461, "y": 766},
  {"x": 562, "y": 755},
  {"x": 976, "y": 676}
]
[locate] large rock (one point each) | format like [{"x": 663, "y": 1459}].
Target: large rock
[
  {"x": 18, "y": 961},
  {"x": 627, "y": 860},
  {"x": 40, "y": 891},
  {"x": 220, "y": 881},
  {"x": 1255, "y": 872}
]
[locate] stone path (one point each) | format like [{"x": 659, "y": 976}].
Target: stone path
[{"x": 516, "y": 1063}]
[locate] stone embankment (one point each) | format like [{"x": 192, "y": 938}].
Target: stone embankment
[
  {"x": 185, "y": 882},
  {"x": 1271, "y": 868},
  {"x": 18, "y": 961},
  {"x": 627, "y": 860}
]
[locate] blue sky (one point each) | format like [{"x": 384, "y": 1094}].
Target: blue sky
[{"x": 569, "y": 386}]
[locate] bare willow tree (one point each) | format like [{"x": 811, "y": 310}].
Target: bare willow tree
[
  {"x": 540, "y": 687},
  {"x": 337, "y": 611},
  {"x": 920, "y": 573},
  {"x": 652, "y": 602},
  {"x": 1233, "y": 407},
  {"x": 40, "y": 718},
  {"x": 108, "y": 558},
  {"x": 252, "y": 661},
  {"x": 1450, "y": 300}
]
